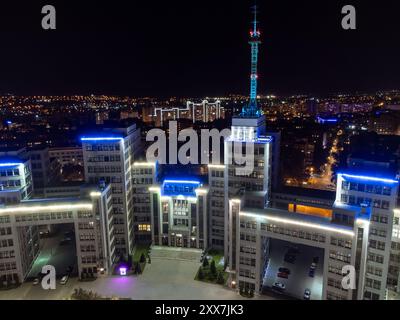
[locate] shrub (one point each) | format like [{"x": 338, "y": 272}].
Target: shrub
[
  {"x": 200, "y": 275},
  {"x": 213, "y": 269},
  {"x": 220, "y": 278},
  {"x": 205, "y": 262},
  {"x": 251, "y": 293},
  {"x": 142, "y": 258}
]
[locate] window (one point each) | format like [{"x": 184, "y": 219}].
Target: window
[{"x": 144, "y": 227}]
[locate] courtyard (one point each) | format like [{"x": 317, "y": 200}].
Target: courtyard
[{"x": 170, "y": 276}]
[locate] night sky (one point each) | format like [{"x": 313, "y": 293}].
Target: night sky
[{"x": 197, "y": 48}]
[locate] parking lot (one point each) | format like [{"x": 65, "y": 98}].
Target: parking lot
[
  {"x": 55, "y": 251},
  {"x": 299, "y": 279}
]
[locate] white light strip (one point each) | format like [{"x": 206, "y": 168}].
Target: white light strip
[
  {"x": 61, "y": 207},
  {"x": 10, "y": 164},
  {"x": 154, "y": 189},
  {"x": 299, "y": 223},
  {"x": 95, "y": 194},
  {"x": 201, "y": 191},
  {"x": 144, "y": 164},
  {"x": 215, "y": 166},
  {"x": 182, "y": 182},
  {"x": 368, "y": 178}
]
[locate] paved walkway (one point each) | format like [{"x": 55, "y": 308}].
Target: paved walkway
[{"x": 182, "y": 254}]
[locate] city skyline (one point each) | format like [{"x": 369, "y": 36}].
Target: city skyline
[{"x": 249, "y": 197}]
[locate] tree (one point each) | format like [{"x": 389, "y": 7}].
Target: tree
[
  {"x": 205, "y": 262},
  {"x": 142, "y": 258},
  {"x": 220, "y": 278},
  {"x": 241, "y": 291},
  {"x": 130, "y": 261},
  {"x": 251, "y": 293},
  {"x": 200, "y": 275},
  {"x": 213, "y": 269},
  {"x": 122, "y": 258}
]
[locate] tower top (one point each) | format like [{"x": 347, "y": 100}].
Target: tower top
[{"x": 251, "y": 109}]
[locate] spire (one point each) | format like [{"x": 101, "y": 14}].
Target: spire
[{"x": 251, "y": 110}]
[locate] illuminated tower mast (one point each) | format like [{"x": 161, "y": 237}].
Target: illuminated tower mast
[{"x": 251, "y": 110}]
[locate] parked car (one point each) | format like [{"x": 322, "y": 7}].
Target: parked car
[
  {"x": 307, "y": 294},
  {"x": 311, "y": 273},
  {"x": 283, "y": 275},
  {"x": 313, "y": 266},
  {"x": 65, "y": 241},
  {"x": 284, "y": 270},
  {"x": 279, "y": 286},
  {"x": 36, "y": 281},
  {"x": 64, "y": 280}
]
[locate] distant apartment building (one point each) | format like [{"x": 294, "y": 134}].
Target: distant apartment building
[
  {"x": 385, "y": 122},
  {"x": 204, "y": 112},
  {"x": 45, "y": 170},
  {"x": 67, "y": 155}
]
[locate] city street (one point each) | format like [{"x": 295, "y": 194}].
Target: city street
[{"x": 299, "y": 278}]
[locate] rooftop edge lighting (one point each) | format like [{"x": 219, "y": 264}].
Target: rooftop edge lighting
[
  {"x": 102, "y": 139},
  {"x": 201, "y": 191},
  {"x": 10, "y": 164},
  {"x": 182, "y": 182},
  {"x": 144, "y": 164},
  {"x": 216, "y": 166},
  {"x": 95, "y": 194},
  {"x": 299, "y": 223},
  {"x": 28, "y": 209},
  {"x": 368, "y": 178},
  {"x": 154, "y": 189}
]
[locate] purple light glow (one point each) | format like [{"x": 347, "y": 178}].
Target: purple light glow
[{"x": 122, "y": 271}]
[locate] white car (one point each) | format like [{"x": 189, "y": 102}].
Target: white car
[
  {"x": 313, "y": 266},
  {"x": 279, "y": 286},
  {"x": 36, "y": 281},
  {"x": 307, "y": 294},
  {"x": 64, "y": 280}
]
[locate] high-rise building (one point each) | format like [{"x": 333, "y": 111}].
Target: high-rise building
[{"x": 109, "y": 156}]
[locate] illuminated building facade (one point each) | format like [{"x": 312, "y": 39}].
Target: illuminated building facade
[
  {"x": 144, "y": 175},
  {"x": 109, "y": 158},
  {"x": 205, "y": 111},
  {"x": 179, "y": 214},
  {"x": 20, "y": 240},
  {"x": 15, "y": 179},
  {"x": 360, "y": 229}
]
